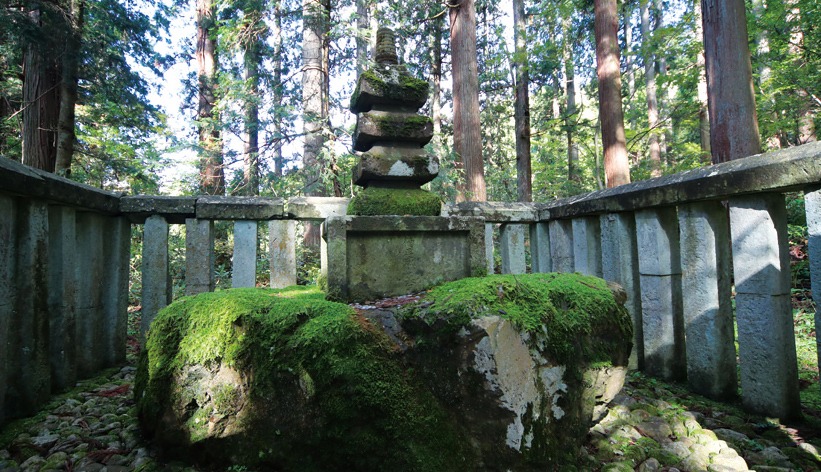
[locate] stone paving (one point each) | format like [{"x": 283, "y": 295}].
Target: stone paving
[{"x": 647, "y": 429}]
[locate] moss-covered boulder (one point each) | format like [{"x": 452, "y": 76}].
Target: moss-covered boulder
[{"x": 496, "y": 373}]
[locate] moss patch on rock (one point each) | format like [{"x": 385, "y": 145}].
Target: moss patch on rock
[
  {"x": 353, "y": 403},
  {"x": 375, "y": 201},
  {"x": 565, "y": 306}
]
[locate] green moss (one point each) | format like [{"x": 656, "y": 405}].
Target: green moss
[
  {"x": 565, "y": 306},
  {"x": 374, "y": 413},
  {"x": 374, "y": 201}
]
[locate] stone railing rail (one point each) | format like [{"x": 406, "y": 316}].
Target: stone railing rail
[{"x": 675, "y": 243}]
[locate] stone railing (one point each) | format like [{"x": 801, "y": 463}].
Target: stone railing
[
  {"x": 679, "y": 244},
  {"x": 675, "y": 243}
]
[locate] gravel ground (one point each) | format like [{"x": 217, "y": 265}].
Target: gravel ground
[{"x": 651, "y": 426}]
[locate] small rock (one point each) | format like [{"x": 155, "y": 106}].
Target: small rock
[
  {"x": 697, "y": 460},
  {"x": 721, "y": 468},
  {"x": 733, "y": 462},
  {"x": 658, "y": 430},
  {"x": 650, "y": 465},
  {"x": 33, "y": 464},
  {"x": 617, "y": 467},
  {"x": 715, "y": 447},
  {"x": 770, "y": 468},
  {"x": 624, "y": 400},
  {"x": 677, "y": 448},
  {"x": 703, "y": 436},
  {"x": 730, "y": 436},
  {"x": 45, "y": 441}
]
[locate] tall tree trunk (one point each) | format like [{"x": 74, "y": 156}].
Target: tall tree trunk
[
  {"x": 41, "y": 97},
  {"x": 212, "y": 176},
  {"x": 616, "y": 168},
  {"x": 362, "y": 34},
  {"x": 703, "y": 114},
  {"x": 762, "y": 45},
  {"x": 570, "y": 111},
  {"x": 629, "y": 61},
  {"x": 664, "y": 137},
  {"x": 733, "y": 120},
  {"x": 806, "y": 117},
  {"x": 316, "y": 21},
  {"x": 522, "y": 115},
  {"x": 276, "y": 35},
  {"x": 652, "y": 100},
  {"x": 467, "y": 137},
  {"x": 436, "y": 78},
  {"x": 66, "y": 136},
  {"x": 251, "y": 61}
]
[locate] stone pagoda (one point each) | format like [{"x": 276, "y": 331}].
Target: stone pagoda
[{"x": 390, "y": 136}]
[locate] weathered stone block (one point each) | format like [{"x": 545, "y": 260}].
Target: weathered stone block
[
  {"x": 7, "y": 289},
  {"x": 766, "y": 354},
  {"x": 391, "y": 127},
  {"x": 561, "y": 245},
  {"x": 587, "y": 253},
  {"x": 388, "y": 85},
  {"x": 406, "y": 164},
  {"x": 708, "y": 315},
  {"x": 199, "y": 256},
  {"x": 157, "y": 286},
  {"x": 377, "y": 201},
  {"x": 380, "y": 256},
  {"x": 244, "y": 261},
  {"x": 467, "y": 379},
  {"x": 495, "y": 212},
  {"x": 282, "y": 246},
  {"x": 620, "y": 264},
  {"x": 174, "y": 209},
  {"x": 512, "y": 238},
  {"x": 540, "y": 248},
  {"x": 316, "y": 208},
  {"x": 239, "y": 208},
  {"x": 62, "y": 295},
  {"x": 663, "y": 326},
  {"x": 91, "y": 259}
]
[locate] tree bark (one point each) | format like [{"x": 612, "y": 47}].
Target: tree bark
[
  {"x": 251, "y": 61},
  {"x": 806, "y": 117},
  {"x": 467, "y": 137},
  {"x": 703, "y": 114},
  {"x": 436, "y": 78},
  {"x": 524, "y": 187},
  {"x": 276, "y": 35},
  {"x": 212, "y": 177},
  {"x": 654, "y": 148},
  {"x": 733, "y": 120},
  {"x": 41, "y": 98},
  {"x": 362, "y": 34},
  {"x": 66, "y": 136},
  {"x": 606, "y": 23},
  {"x": 629, "y": 61},
  {"x": 570, "y": 111}
]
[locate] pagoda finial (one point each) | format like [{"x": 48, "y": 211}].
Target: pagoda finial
[{"x": 385, "y": 52}]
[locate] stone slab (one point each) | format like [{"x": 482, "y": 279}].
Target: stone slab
[
  {"x": 157, "y": 287},
  {"x": 115, "y": 303},
  {"x": 316, "y": 208},
  {"x": 405, "y": 164},
  {"x": 391, "y": 127},
  {"x": 239, "y": 208},
  {"x": 379, "y": 256},
  {"x": 91, "y": 257},
  {"x": 282, "y": 246},
  {"x": 540, "y": 248},
  {"x": 244, "y": 261},
  {"x": 761, "y": 258},
  {"x": 587, "y": 254},
  {"x": 28, "y": 379},
  {"x": 561, "y": 245},
  {"x": 766, "y": 353},
  {"x": 620, "y": 264},
  {"x": 657, "y": 236},
  {"x": 18, "y": 179},
  {"x": 173, "y": 209},
  {"x": 199, "y": 256},
  {"x": 62, "y": 296},
  {"x": 494, "y": 212},
  {"x": 663, "y": 326},
  {"x": 512, "y": 242},
  {"x": 812, "y": 202},
  {"x": 7, "y": 290},
  {"x": 708, "y": 313}
]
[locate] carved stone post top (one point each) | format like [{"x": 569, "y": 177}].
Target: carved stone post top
[{"x": 385, "y": 52}]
